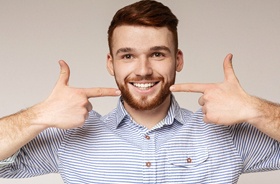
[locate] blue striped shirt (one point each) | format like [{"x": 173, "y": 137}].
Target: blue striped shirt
[{"x": 179, "y": 149}]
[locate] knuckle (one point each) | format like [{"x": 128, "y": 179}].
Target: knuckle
[
  {"x": 80, "y": 124},
  {"x": 79, "y": 91},
  {"x": 84, "y": 112},
  {"x": 99, "y": 92},
  {"x": 81, "y": 121},
  {"x": 84, "y": 102}
]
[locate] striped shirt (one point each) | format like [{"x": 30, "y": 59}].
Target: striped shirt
[{"x": 114, "y": 149}]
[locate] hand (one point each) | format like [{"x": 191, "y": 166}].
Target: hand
[
  {"x": 222, "y": 103},
  {"x": 68, "y": 107}
]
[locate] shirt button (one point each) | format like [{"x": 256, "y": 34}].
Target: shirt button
[
  {"x": 189, "y": 160},
  {"x": 147, "y": 137},
  {"x": 148, "y": 164}
]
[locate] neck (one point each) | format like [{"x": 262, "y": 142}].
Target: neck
[{"x": 149, "y": 118}]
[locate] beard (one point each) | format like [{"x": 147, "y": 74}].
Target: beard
[{"x": 145, "y": 102}]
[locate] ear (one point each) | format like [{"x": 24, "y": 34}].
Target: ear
[
  {"x": 110, "y": 66},
  {"x": 179, "y": 60}
]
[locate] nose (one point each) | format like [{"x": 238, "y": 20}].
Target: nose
[{"x": 144, "y": 67}]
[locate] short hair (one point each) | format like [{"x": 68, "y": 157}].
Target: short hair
[{"x": 145, "y": 13}]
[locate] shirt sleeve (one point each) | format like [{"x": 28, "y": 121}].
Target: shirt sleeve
[
  {"x": 38, "y": 157},
  {"x": 9, "y": 160},
  {"x": 258, "y": 151}
]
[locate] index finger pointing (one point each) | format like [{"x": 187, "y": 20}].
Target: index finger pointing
[
  {"x": 99, "y": 92},
  {"x": 190, "y": 87}
]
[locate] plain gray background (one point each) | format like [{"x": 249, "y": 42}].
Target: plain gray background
[{"x": 35, "y": 34}]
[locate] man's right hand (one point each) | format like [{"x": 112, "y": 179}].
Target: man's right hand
[{"x": 67, "y": 107}]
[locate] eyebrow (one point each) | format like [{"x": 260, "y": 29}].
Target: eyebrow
[
  {"x": 155, "y": 48},
  {"x": 125, "y": 49},
  {"x": 159, "y": 48}
]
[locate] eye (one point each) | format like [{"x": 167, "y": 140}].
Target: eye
[
  {"x": 157, "y": 54},
  {"x": 127, "y": 56}
]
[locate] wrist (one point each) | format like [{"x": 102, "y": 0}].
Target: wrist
[
  {"x": 266, "y": 117},
  {"x": 35, "y": 117},
  {"x": 254, "y": 113},
  {"x": 263, "y": 111}
]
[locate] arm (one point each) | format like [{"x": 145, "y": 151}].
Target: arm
[
  {"x": 227, "y": 103},
  {"x": 65, "y": 108},
  {"x": 16, "y": 130},
  {"x": 267, "y": 117}
]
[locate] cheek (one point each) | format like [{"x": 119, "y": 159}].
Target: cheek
[
  {"x": 122, "y": 71},
  {"x": 167, "y": 72},
  {"x": 120, "y": 76}
]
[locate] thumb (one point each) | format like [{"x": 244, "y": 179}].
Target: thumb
[
  {"x": 64, "y": 73},
  {"x": 228, "y": 69}
]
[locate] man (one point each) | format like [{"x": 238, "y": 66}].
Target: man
[{"x": 148, "y": 138}]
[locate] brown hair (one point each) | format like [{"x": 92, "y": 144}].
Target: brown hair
[{"x": 145, "y": 13}]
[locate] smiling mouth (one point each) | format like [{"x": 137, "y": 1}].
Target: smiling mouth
[{"x": 144, "y": 86}]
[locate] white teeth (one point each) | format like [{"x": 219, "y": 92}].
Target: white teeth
[{"x": 143, "y": 85}]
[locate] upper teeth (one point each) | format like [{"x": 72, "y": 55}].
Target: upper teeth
[{"x": 144, "y": 85}]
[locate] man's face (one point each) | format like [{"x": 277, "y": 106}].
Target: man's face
[{"x": 144, "y": 63}]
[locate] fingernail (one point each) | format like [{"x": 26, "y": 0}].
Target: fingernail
[
  {"x": 231, "y": 56},
  {"x": 171, "y": 88},
  {"x": 118, "y": 92}
]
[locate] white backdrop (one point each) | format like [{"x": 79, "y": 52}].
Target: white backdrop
[{"x": 35, "y": 34}]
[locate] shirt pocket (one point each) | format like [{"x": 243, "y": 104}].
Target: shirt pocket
[
  {"x": 189, "y": 164},
  {"x": 187, "y": 157}
]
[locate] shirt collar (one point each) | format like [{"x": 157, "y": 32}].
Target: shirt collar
[
  {"x": 174, "y": 113},
  {"x": 121, "y": 113}
]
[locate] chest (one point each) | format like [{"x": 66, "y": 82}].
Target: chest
[{"x": 187, "y": 156}]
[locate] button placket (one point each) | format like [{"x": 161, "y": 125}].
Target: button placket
[{"x": 149, "y": 160}]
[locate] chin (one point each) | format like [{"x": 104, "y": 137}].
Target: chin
[{"x": 144, "y": 104}]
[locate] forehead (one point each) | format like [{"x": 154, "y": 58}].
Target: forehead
[{"x": 141, "y": 37}]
